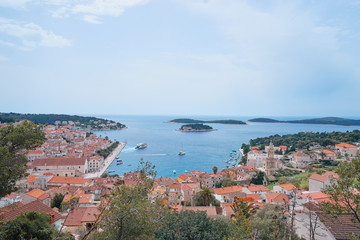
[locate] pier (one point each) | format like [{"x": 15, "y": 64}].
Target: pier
[{"x": 107, "y": 161}]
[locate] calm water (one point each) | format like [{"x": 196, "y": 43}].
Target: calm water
[{"x": 203, "y": 149}]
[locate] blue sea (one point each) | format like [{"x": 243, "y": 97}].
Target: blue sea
[{"x": 203, "y": 149}]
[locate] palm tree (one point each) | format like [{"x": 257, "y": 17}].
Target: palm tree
[
  {"x": 205, "y": 197},
  {"x": 215, "y": 169},
  {"x": 322, "y": 155}
]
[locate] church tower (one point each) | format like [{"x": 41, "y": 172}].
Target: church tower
[{"x": 269, "y": 165}]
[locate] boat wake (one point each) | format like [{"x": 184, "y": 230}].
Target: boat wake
[
  {"x": 155, "y": 154},
  {"x": 130, "y": 149}
]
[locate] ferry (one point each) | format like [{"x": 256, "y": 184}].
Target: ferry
[
  {"x": 141, "y": 146},
  {"x": 181, "y": 153}
]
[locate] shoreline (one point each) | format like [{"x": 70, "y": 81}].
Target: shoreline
[
  {"x": 107, "y": 162},
  {"x": 206, "y": 123},
  {"x": 205, "y": 130}
]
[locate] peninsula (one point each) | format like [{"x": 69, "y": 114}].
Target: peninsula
[
  {"x": 193, "y": 121},
  {"x": 86, "y": 123},
  {"x": 325, "y": 120},
  {"x": 198, "y": 127}
]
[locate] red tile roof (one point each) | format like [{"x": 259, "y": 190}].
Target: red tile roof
[
  {"x": 82, "y": 214},
  {"x": 316, "y": 196},
  {"x": 326, "y": 151},
  {"x": 346, "y": 145},
  {"x": 32, "y": 206},
  {"x": 287, "y": 186},
  {"x": 325, "y": 176},
  {"x": 276, "y": 197},
  {"x": 257, "y": 188},
  {"x": 68, "y": 180},
  {"x": 210, "y": 211},
  {"x": 183, "y": 176},
  {"x": 227, "y": 190},
  {"x": 31, "y": 179},
  {"x": 36, "y": 193},
  {"x": 58, "y": 161},
  {"x": 300, "y": 154},
  {"x": 254, "y": 197}
]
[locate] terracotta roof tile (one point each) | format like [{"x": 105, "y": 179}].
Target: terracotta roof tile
[
  {"x": 287, "y": 186},
  {"x": 37, "y": 206},
  {"x": 59, "y": 161},
  {"x": 68, "y": 180},
  {"x": 79, "y": 215},
  {"x": 227, "y": 190},
  {"x": 346, "y": 145}
]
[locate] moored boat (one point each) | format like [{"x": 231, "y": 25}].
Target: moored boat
[{"x": 181, "y": 153}]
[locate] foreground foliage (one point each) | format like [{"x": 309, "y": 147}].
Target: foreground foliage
[
  {"x": 130, "y": 213},
  {"x": 190, "y": 225},
  {"x": 344, "y": 192},
  {"x": 31, "y": 225},
  {"x": 14, "y": 141}
]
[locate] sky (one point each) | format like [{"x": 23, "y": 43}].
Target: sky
[{"x": 181, "y": 57}]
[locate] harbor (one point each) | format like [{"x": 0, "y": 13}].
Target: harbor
[{"x": 107, "y": 162}]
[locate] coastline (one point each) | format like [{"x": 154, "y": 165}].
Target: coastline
[
  {"x": 207, "y": 123},
  {"x": 202, "y": 130},
  {"x": 107, "y": 162}
]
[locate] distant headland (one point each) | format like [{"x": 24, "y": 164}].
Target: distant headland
[
  {"x": 325, "y": 120},
  {"x": 86, "y": 123},
  {"x": 197, "y": 127},
  {"x": 193, "y": 121}
]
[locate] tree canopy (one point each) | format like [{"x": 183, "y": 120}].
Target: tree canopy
[
  {"x": 344, "y": 192},
  {"x": 31, "y": 225},
  {"x": 14, "y": 141},
  {"x": 130, "y": 213}
]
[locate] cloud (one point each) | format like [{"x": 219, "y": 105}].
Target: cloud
[
  {"x": 14, "y": 3},
  {"x": 92, "y": 19},
  {"x": 28, "y": 36},
  {"x": 93, "y": 10}
]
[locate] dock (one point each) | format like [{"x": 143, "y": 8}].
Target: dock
[{"x": 107, "y": 161}]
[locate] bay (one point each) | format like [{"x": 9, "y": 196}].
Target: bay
[{"x": 203, "y": 149}]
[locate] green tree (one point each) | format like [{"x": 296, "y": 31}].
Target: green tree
[
  {"x": 192, "y": 225},
  {"x": 215, "y": 169},
  {"x": 245, "y": 148},
  {"x": 31, "y": 225},
  {"x": 270, "y": 223},
  {"x": 57, "y": 200},
  {"x": 226, "y": 182},
  {"x": 344, "y": 192},
  {"x": 322, "y": 155},
  {"x": 14, "y": 141},
  {"x": 243, "y": 211},
  {"x": 258, "y": 179},
  {"x": 204, "y": 197},
  {"x": 130, "y": 214}
]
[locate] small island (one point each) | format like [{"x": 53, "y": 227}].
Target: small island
[
  {"x": 325, "y": 120},
  {"x": 193, "y": 121},
  {"x": 198, "y": 127}
]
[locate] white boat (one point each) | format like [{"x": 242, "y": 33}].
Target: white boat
[
  {"x": 111, "y": 171},
  {"x": 186, "y": 171},
  {"x": 181, "y": 153},
  {"x": 174, "y": 171},
  {"x": 141, "y": 146}
]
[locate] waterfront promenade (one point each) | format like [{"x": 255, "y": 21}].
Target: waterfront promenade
[{"x": 107, "y": 162}]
